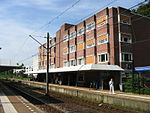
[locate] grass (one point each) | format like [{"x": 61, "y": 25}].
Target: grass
[{"x": 7, "y": 76}]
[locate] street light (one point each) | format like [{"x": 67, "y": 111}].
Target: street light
[{"x": 0, "y": 48}]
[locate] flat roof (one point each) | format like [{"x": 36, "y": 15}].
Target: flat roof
[{"x": 87, "y": 67}]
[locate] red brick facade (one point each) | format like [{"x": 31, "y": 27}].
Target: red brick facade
[{"x": 107, "y": 37}]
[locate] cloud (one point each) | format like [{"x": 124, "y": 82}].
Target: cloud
[
  {"x": 19, "y": 18},
  {"x": 52, "y": 5},
  {"x": 15, "y": 42}
]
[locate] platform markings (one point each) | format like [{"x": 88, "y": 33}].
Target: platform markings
[
  {"x": 27, "y": 106},
  {"x": 21, "y": 99},
  {"x": 7, "y": 105}
]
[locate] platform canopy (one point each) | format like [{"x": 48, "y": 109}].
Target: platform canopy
[
  {"x": 147, "y": 68},
  {"x": 87, "y": 67},
  {"x": 6, "y": 65},
  {"x": 6, "y": 68}
]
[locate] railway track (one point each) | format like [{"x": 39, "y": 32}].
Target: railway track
[
  {"x": 61, "y": 103},
  {"x": 34, "y": 100}
]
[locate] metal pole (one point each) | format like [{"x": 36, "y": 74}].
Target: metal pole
[
  {"x": 133, "y": 83},
  {"x": 47, "y": 73}
]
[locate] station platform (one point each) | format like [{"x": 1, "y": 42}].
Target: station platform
[
  {"x": 6, "y": 105},
  {"x": 128, "y": 100},
  {"x": 13, "y": 103}
]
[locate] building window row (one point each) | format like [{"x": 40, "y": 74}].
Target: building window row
[
  {"x": 74, "y": 62},
  {"x": 90, "y": 26},
  {"x": 66, "y": 37},
  {"x": 72, "y": 35},
  {"x": 80, "y": 61},
  {"x": 124, "y": 19},
  {"x": 103, "y": 38},
  {"x": 80, "y": 31},
  {"x": 103, "y": 57},
  {"x": 126, "y": 57},
  {"x": 90, "y": 43},
  {"x": 125, "y": 37},
  {"x": 65, "y": 51},
  {"x": 73, "y": 49},
  {"x": 80, "y": 46},
  {"x": 102, "y": 20}
]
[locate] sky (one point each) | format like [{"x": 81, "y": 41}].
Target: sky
[{"x": 21, "y": 18}]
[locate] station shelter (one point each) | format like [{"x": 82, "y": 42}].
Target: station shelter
[{"x": 91, "y": 75}]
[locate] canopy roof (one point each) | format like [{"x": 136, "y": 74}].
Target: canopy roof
[
  {"x": 87, "y": 67},
  {"x": 6, "y": 68}
]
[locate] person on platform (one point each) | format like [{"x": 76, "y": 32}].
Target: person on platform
[{"x": 111, "y": 86}]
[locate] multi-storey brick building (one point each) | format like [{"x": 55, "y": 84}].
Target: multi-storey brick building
[{"x": 105, "y": 41}]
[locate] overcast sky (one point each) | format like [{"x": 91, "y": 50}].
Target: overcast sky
[{"x": 20, "y": 18}]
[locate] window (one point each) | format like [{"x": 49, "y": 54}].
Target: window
[
  {"x": 126, "y": 38},
  {"x": 65, "y": 51},
  {"x": 72, "y": 35},
  {"x": 81, "y": 61},
  {"x": 126, "y": 57},
  {"x": 103, "y": 38},
  {"x": 103, "y": 57},
  {"x": 124, "y": 19},
  {"x": 52, "y": 65},
  {"x": 65, "y": 64},
  {"x": 102, "y": 20},
  {"x": 72, "y": 62},
  {"x": 80, "y": 31},
  {"x": 90, "y": 26},
  {"x": 90, "y": 60},
  {"x": 72, "y": 49},
  {"x": 66, "y": 38},
  {"x": 80, "y": 46},
  {"x": 90, "y": 43},
  {"x": 52, "y": 54}
]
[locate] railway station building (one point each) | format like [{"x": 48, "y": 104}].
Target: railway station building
[{"x": 101, "y": 47}]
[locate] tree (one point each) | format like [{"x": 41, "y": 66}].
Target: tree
[{"x": 144, "y": 9}]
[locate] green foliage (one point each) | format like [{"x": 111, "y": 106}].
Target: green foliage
[
  {"x": 128, "y": 85},
  {"x": 136, "y": 85},
  {"x": 143, "y": 9},
  {"x": 16, "y": 76}
]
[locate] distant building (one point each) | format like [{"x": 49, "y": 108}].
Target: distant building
[
  {"x": 97, "y": 49},
  {"x": 35, "y": 65}
]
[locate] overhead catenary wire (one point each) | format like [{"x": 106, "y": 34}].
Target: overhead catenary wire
[
  {"x": 108, "y": 18},
  {"x": 110, "y": 48},
  {"x": 63, "y": 12},
  {"x": 37, "y": 41},
  {"x": 95, "y": 11},
  {"x": 28, "y": 58},
  {"x": 22, "y": 45},
  {"x": 130, "y": 44}
]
